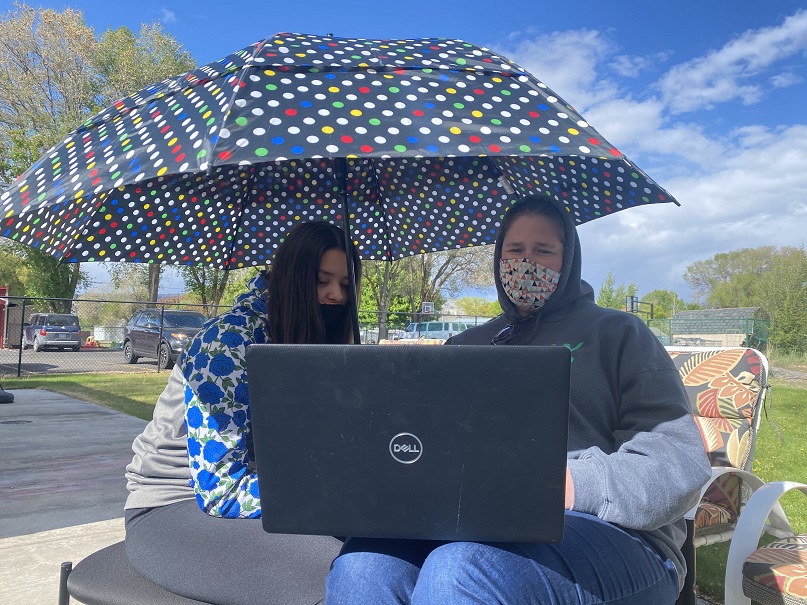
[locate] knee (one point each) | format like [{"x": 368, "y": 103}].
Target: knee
[
  {"x": 368, "y": 577},
  {"x": 455, "y": 572}
]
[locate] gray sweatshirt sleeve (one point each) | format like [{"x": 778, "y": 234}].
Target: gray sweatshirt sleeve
[
  {"x": 159, "y": 473},
  {"x": 657, "y": 465}
]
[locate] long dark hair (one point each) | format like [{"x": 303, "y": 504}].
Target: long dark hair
[{"x": 294, "y": 313}]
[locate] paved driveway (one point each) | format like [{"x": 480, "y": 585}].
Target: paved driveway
[
  {"x": 55, "y": 362},
  {"x": 62, "y": 461}
]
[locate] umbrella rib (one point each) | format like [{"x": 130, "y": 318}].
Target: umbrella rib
[
  {"x": 240, "y": 216},
  {"x": 383, "y": 204},
  {"x": 236, "y": 88}
]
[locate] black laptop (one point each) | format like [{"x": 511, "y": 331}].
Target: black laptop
[{"x": 396, "y": 441}]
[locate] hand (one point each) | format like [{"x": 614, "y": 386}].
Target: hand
[{"x": 569, "y": 499}]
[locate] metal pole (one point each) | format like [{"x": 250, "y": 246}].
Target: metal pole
[
  {"x": 64, "y": 596},
  {"x": 22, "y": 330},
  {"x": 340, "y": 172},
  {"x": 160, "y": 337}
]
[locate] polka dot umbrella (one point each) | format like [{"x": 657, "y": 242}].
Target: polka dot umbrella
[{"x": 417, "y": 145}]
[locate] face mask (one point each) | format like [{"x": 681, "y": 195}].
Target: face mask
[
  {"x": 528, "y": 284},
  {"x": 334, "y": 318}
]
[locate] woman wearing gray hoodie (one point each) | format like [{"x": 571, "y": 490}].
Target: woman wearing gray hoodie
[{"x": 635, "y": 459}]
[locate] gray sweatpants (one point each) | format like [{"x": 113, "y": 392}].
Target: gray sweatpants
[{"x": 226, "y": 561}]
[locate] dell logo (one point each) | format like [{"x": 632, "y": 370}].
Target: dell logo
[{"x": 406, "y": 448}]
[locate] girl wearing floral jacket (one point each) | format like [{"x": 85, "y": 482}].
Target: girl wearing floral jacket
[{"x": 193, "y": 514}]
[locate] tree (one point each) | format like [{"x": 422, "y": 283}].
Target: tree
[
  {"x": 138, "y": 280},
  {"x": 47, "y": 82},
  {"x": 783, "y": 294},
  {"x": 207, "y": 284},
  {"x": 401, "y": 286},
  {"x": 612, "y": 296},
  {"x": 380, "y": 287},
  {"x": 237, "y": 284},
  {"x": 45, "y": 278},
  {"x": 478, "y": 306},
  {"x": 428, "y": 277},
  {"x": 774, "y": 279},
  {"x": 126, "y": 62},
  {"x": 10, "y": 271},
  {"x": 666, "y": 303},
  {"x": 54, "y": 75},
  {"x": 730, "y": 279}
]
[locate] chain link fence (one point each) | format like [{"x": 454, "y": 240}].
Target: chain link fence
[
  {"x": 708, "y": 332},
  {"x": 49, "y": 336}
]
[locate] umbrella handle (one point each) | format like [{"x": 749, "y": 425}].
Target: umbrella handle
[{"x": 340, "y": 172}]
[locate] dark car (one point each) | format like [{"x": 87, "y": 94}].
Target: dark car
[
  {"x": 59, "y": 331},
  {"x": 143, "y": 337}
]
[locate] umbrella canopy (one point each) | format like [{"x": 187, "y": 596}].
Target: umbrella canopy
[{"x": 417, "y": 145}]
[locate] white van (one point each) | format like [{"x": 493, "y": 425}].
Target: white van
[{"x": 434, "y": 329}]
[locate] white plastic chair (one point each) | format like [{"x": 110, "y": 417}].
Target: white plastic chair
[{"x": 761, "y": 513}]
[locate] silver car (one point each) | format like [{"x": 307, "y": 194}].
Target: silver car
[{"x": 60, "y": 331}]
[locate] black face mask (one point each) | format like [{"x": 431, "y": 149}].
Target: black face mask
[{"x": 334, "y": 318}]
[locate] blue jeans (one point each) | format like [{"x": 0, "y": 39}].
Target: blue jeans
[{"x": 595, "y": 563}]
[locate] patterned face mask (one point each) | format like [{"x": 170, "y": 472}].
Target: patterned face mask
[{"x": 526, "y": 283}]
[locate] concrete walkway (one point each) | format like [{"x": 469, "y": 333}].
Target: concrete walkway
[{"x": 62, "y": 486}]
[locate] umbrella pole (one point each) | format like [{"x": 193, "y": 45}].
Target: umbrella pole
[{"x": 340, "y": 171}]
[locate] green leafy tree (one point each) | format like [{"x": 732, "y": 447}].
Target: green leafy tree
[
  {"x": 783, "y": 294},
  {"x": 207, "y": 285},
  {"x": 127, "y": 62},
  {"x": 392, "y": 288},
  {"x": 48, "y": 85},
  {"x": 774, "y": 279},
  {"x": 613, "y": 296},
  {"x": 381, "y": 300},
  {"x": 136, "y": 280},
  {"x": 396, "y": 316},
  {"x": 10, "y": 271},
  {"x": 54, "y": 75},
  {"x": 478, "y": 306},
  {"x": 731, "y": 279},
  {"x": 237, "y": 285},
  {"x": 666, "y": 303},
  {"x": 46, "y": 278}
]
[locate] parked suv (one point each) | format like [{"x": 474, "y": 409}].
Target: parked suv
[
  {"x": 143, "y": 337},
  {"x": 58, "y": 331}
]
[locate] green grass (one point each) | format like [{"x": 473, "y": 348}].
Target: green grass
[
  {"x": 130, "y": 393},
  {"x": 792, "y": 361},
  {"x": 775, "y": 460}
]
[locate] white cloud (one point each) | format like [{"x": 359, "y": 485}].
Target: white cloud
[
  {"x": 631, "y": 66},
  {"x": 741, "y": 184},
  {"x": 567, "y": 63},
  {"x": 167, "y": 16},
  {"x": 785, "y": 80},
  {"x": 754, "y": 197},
  {"x": 727, "y": 74}
]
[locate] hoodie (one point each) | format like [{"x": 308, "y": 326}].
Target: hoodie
[{"x": 634, "y": 454}]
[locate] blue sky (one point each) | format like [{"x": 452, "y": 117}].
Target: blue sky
[{"x": 707, "y": 97}]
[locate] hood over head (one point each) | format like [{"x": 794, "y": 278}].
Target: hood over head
[{"x": 570, "y": 287}]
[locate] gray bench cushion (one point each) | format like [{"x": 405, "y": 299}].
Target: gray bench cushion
[{"x": 106, "y": 578}]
